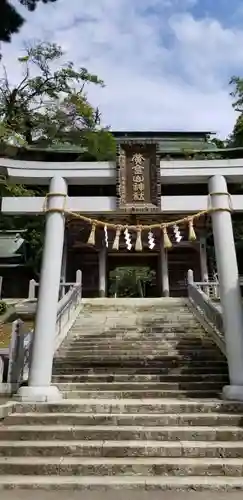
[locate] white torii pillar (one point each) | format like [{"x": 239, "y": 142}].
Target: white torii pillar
[
  {"x": 40, "y": 388},
  {"x": 230, "y": 294}
]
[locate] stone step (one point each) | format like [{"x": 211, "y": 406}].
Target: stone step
[
  {"x": 127, "y": 466},
  {"x": 121, "y": 350},
  {"x": 139, "y": 354},
  {"x": 180, "y": 394},
  {"x": 129, "y": 406},
  {"x": 118, "y": 312},
  {"x": 139, "y": 386},
  {"x": 131, "y": 303},
  {"x": 95, "y": 448},
  {"x": 141, "y": 377},
  {"x": 138, "y": 337},
  {"x": 124, "y": 483},
  {"x": 81, "y": 369},
  {"x": 185, "y": 336},
  {"x": 65, "y": 364},
  {"x": 133, "y": 368},
  {"x": 155, "y": 339},
  {"x": 151, "y": 313},
  {"x": 153, "y": 344},
  {"x": 183, "y": 419},
  {"x": 131, "y": 322},
  {"x": 109, "y": 432},
  {"x": 116, "y": 309},
  {"x": 196, "y": 358},
  {"x": 135, "y": 301},
  {"x": 180, "y": 327}
]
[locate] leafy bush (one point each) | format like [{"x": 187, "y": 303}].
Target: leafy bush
[
  {"x": 130, "y": 281},
  {"x": 3, "y": 307}
]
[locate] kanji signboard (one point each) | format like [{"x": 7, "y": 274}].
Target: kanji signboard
[{"x": 138, "y": 177}]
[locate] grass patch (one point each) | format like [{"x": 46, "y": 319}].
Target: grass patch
[{"x": 6, "y": 331}]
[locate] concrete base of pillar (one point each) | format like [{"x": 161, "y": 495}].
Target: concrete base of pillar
[
  {"x": 166, "y": 293},
  {"x": 102, "y": 294},
  {"x": 233, "y": 392},
  {"x": 34, "y": 394}
]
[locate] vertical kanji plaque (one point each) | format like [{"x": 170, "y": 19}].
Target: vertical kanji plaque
[{"x": 138, "y": 177}]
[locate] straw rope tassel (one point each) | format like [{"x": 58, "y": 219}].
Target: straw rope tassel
[
  {"x": 116, "y": 242},
  {"x": 91, "y": 240},
  {"x": 139, "y": 245},
  {"x": 167, "y": 242},
  {"x": 191, "y": 235}
]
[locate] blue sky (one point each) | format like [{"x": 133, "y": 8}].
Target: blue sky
[{"x": 166, "y": 63}]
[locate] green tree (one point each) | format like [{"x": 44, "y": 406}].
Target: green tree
[
  {"x": 236, "y": 138},
  {"x": 49, "y": 106},
  {"x": 130, "y": 281},
  {"x": 218, "y": 143},
  {"x": 11, "y": 20}
]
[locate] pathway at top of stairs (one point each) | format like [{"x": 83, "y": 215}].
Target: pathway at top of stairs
[{"x": 141, "y": 382}]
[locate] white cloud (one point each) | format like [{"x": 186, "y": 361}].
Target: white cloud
[{"x": 163, "y": 68}]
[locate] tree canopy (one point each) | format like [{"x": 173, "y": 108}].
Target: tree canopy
[
  {"x": 131, "y": 281},
  {"x": 236, "y": 138},
  {"x": 49, "y": 105},
  {"x": 11, "y": 20},
  {"x": 47, "y": 108}
]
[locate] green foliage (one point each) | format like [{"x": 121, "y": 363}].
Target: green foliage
[
  {"x": 130, "y": 281},
  {"x": 11, "y": 20},
  {"x": 218, "y": 143},
  {"x": 34, "y": 238},
  {"x": 49, "y": 106},
  {"x": 237, "y": 93},
  {"x": 3, "y": 307},
  {"x": 236, "y": 138}
]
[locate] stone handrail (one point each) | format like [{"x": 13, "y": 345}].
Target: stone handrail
[
  {"x": 21, "y": 340},
  {"x": 205, "y": 310},
  {"x": 64, "y": 287},
  {"x": 68, "y": 309},
  {"x": 209, "y": 288},
  {"x": 1, "y": 369}
]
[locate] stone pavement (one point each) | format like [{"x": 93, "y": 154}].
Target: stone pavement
[{"x": 118, "y": 495}]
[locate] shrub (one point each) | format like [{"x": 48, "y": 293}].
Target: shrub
[{"x": 3, "y": 307}]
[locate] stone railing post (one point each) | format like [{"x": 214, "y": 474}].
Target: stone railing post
[
  {"x": 1, "y": 369},
  {"x": 190, "y": 277},
  {"x": 31, "y": 294},
  {"x": 79, "y": 276}
]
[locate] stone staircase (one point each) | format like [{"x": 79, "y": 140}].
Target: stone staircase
[{"x": 142, "y": 409}]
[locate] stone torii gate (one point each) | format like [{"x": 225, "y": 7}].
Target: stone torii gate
[{"x": 39, "y": 387}]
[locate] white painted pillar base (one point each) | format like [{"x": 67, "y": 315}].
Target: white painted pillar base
[
  {"x": 233, "y": 392},
  {"x": 44, "y": 394},
  {"x": 102, "y": 272},
  {"x": 230, "y": 295},
  {"x": 39, "y": 387},
  {"x": 164, "y": 270}
]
